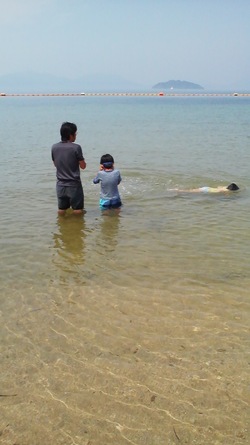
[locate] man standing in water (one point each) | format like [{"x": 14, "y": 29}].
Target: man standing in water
[{"x": 68, "y": 159}]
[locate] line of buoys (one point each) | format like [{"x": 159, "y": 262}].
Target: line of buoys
[{"x": 161, "y": 94}]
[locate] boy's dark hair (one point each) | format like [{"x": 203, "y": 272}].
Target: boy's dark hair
[
  {"x": 107, "y": 159},
  {"x": 67, "y": 129},
  {"x": 233, "y": 187}
]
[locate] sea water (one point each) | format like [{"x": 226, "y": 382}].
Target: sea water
[{"x": 168, "y": 275}]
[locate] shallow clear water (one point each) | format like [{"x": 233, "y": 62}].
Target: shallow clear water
[
  {"x": 174, "y": 263},
  {"x": 158, "y": 144}
]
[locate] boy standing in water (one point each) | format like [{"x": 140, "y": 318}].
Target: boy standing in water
[{"x": 109, "y": 179}]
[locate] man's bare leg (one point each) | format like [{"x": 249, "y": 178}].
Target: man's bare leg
[
  {"x": 61, "y": 212},
  {"x": 79, "y": 212}
]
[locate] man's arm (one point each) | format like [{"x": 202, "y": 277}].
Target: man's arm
[
  {"x": 52, "y": 157},
  {"x": 82, "y": 164},
  {"x": 79, "y": 156}
]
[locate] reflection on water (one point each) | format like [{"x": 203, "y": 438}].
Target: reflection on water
[
  {"x": 109, "y": 228},
  {"x": 82, "y": 253},
  {"x": 69, "y": 244}
]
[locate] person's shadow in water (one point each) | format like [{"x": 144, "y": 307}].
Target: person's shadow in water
[{"x": 69, "y": 244}]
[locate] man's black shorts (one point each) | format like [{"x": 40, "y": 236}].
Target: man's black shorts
[{"x": 70, "y": 196}]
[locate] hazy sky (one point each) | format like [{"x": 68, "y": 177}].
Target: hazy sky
[{"x": 144, "y": 41}]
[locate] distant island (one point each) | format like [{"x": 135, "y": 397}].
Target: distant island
[{"x": 178, "y": 85}]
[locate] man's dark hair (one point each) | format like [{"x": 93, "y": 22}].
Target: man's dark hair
[
  {"x": 67, "y": 129},
  {"x": 233, "y": 187},
  {"x": 107, "y": 159}
]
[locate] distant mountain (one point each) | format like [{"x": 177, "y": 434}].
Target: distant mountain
[
  {"x": 30, "y": 82},
  {"x": 178, "y": 85}
]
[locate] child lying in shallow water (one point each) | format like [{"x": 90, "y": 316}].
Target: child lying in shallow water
[{"x": 220, "y": 189}]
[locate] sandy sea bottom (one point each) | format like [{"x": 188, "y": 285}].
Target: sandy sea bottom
[
  {"x": 120, "y": 365},
  {"x": 130, "y": 330}
]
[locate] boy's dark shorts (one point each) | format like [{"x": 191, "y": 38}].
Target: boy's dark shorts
[{"x": 70, "y": 196}]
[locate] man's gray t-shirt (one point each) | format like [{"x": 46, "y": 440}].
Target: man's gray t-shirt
[
  {"x": 66, "y": 157},
  {"x": 109, "y": 183}
]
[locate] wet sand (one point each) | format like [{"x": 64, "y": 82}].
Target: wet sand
[{"x": 114, "y": 365}]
